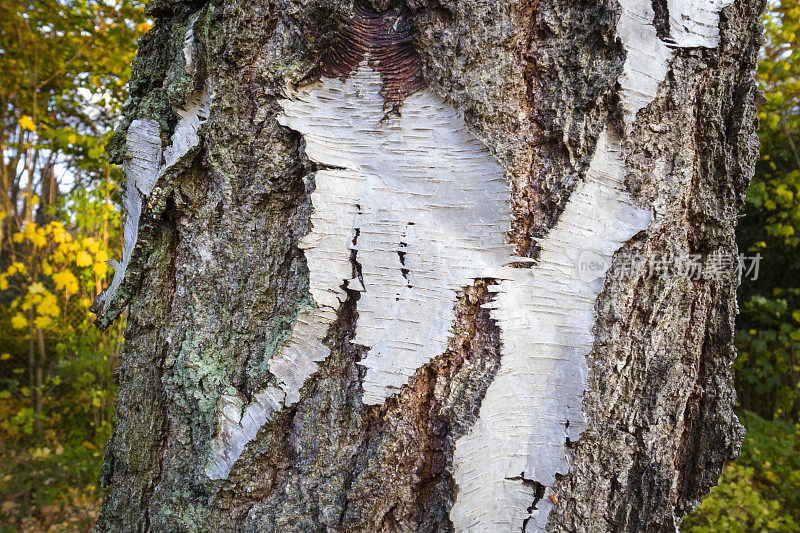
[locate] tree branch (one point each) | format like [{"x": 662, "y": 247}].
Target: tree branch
[{"x": 792, "y": 146}]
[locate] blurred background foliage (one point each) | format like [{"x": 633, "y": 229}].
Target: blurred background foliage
[{"x": 64, "y": 65}]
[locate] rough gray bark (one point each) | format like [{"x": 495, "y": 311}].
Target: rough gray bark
[{"x": 217, "y": 279}]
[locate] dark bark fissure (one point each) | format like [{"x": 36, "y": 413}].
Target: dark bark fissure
[
  {"x": 439, "y": 406},
  {"x": 661, "y": 19},
  {"x": 538, "y": 494},
  {"x": 168, "y": 219}
]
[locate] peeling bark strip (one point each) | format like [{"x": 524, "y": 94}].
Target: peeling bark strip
[
  {"x": 141, "y": 173},
  {"x": 695, "y": 23},
  {"x": 546, "y": 316},
  {"x": 146, "y": 163},
  {"x": 532, "y": 409},
  {"x": 422, "y": 203},
  {"x": 427, "y": 202}
]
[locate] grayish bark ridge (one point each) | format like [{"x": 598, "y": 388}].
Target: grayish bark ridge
[{"x": 352, "y": 238}]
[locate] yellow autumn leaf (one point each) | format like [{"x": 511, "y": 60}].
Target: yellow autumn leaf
[
  {"x": 26, "y": 123},
  {"x": 83, "y": 259},
  {"x": 3, "y": 282},
  {"x": 16, "y": 267},
  {"x": 66, "y": 280},
  {"x": 55, "y": 227},
  {"x": 91, "y": 244},
  {"x": 39, "y": 241},
  {"x": 49, "y": 306},
  {"x": 100, "y": 269},
  {"x": 61, "y": 236},
  {"x": 19, "y": 237},
  {"x": 5, "y": 357},
  {"x": 30, "y": 233},
  {"x": 36, "y": 288},
  {"x": 46, "y": 268},
  {"x": 42, "y": 322},
  {"x": 19, "y": 321}
]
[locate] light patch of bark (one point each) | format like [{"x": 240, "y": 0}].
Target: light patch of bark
[
  {"x": 432, "y": 216},
  {"x": 327, "y": 250},
  {"x": 421, "y": 202},
  {"x": 532, "y": 409},
  {"x": 186, "y": 134},
  {"x": 692, "y": 23},
  {"x": 506, "y": 466},
  {"x": 647, "y": 61},
  {"x": 146, "y": 165},
  {"x": 141, "y": 173},
  {"x": 238, "y": 425},
  {"x": 189, "y": 65},
  {"x": 695, "y": 23}
]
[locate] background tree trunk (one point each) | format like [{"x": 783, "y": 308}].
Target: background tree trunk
[{"x": 218, "y": 281}]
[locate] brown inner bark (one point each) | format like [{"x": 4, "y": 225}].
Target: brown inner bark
[{"x": 386, "y": 39}]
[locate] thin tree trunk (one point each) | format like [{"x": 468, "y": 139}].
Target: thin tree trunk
[
  {"x": 31, "y": 356},
  {"x": 38, "y": 392},
  {"x": 48, "y": 190},
  {"x": 414, "y": 266}
]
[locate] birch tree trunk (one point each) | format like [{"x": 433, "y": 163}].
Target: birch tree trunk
[{"x": 420, "y": 266}]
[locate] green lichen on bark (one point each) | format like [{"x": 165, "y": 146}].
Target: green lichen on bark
[{"x": 279, "y": 332}]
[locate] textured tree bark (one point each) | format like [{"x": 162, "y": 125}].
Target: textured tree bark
[{"x": 269, "y": 379}]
